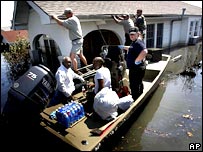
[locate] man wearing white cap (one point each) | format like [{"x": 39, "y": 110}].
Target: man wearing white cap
[{"x": 75, "y": 33}]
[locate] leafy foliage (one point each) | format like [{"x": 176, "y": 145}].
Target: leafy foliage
[{"x": 18, "y": 57}]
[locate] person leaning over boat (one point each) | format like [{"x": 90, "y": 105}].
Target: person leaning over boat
[
  {"x": 75, "y": 33},
  {"x": 102, "y": 76},
  {"x": 136, "y": 63},
  {"x": 65, "y": 84}
]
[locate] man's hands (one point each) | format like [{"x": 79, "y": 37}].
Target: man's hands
[
  {"x": 121, "y": 46},
  {"x": 53, "y": 16},
  {"x": 60, "y": 22},
  {"x": 137, "y": 62},
  {"x": 90, "y": 85}
]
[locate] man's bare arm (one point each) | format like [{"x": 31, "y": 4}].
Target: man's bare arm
[
  {"x": 142, "y": 55},
  {"x": 60, "y": 22}
]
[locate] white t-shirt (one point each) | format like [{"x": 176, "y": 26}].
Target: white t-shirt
[{"x": 102, "y": 73}]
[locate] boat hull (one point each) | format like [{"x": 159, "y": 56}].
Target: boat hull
[{"x": 81, "y": 135}]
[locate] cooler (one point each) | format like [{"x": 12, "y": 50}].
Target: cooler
[{"x": 154, "y": 54}]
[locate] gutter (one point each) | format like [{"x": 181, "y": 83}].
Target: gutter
[{"x": 171, "y": 26}]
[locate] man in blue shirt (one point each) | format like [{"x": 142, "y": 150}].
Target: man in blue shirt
[{"x": 136, "y": 63}]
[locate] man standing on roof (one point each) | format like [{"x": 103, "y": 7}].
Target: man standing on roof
[
  {"x": 75, "y": 33},
  {"x": 127, "y": 23}
]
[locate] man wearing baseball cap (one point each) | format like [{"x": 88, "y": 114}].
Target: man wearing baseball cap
[
  {"x": 75, "y": 33},
  {"x": 136, "y": 63},
  {"x": 127, "y": 23}
]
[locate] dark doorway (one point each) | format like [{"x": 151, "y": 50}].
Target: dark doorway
[
  {"x": 94, "y": 40},
  {"x": 46, "y": 52}
]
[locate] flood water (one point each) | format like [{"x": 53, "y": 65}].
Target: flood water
[{"x": 171, "y": 119}]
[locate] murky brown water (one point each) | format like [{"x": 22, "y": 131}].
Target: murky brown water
[{"x": 170, "y": 121}]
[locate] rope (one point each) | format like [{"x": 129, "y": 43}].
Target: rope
[{"x": 101, "y": 35}]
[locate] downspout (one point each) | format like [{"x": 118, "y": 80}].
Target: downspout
[
  {"x": 13, "y": 27},
  {"x": 171, "y": 26}
]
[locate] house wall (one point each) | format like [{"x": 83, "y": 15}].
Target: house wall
[
  {"x": 195, "y": 19},
  {"x": 176, "y": 32},
  {"x": 88, "y": 27},
  {"x": 55, "y": 31},
  {"x": 165, "y": 31},
  {"x": 180, "y": 30},
  {"x": 177, "y": 29},
  {"x": 61, "y": 35},
  {"x": 184, "y": 31}
]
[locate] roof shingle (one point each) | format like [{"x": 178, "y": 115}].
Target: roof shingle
[{"x": 119, "y": 7}]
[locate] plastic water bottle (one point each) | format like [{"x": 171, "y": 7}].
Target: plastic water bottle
[
  {"x": 83, "y": 91},
  {"x": 73, "y": 114},
  {"x": 81, "y": 110},
  {"x": 78, "y": 111},
  {"x": 75, "y": 108},
  {"x": 69, "y": 117},
  {"x": 52, "y": 115},
  {"x": 59, "y": 115},
  {"x": 66, "y": 120}
]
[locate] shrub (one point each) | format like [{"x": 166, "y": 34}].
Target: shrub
[{"x": 18, "y": 57}]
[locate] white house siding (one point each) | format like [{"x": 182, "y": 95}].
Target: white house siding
[
  {"x": 180, "y": 31},
  {"x": 88, "y": 27},
  {"x": 176, "y": 32},
  {"x": 166, "y": 31},
  {"x": 184, "y": 32},
  {"x": 59, "y": 34},
  {"x": 195, "y": 19},
  {"x": 166, "y": 34}
]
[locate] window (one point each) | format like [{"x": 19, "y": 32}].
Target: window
[
  {"x": 196, "y": 29},
  {"x": 191, "y": 27},
  {"x": 159, "y": 38},
  {"x": 150, "y": 35}
]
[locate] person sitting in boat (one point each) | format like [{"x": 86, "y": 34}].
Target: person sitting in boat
[
  {"x": 102, "y": 76},
  {"x": 65, "y": 83}
]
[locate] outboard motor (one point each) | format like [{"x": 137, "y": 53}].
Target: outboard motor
[{"x": 29, "y": 95}]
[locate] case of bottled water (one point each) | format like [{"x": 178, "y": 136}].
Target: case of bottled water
[{"x": 68, "y": 114}]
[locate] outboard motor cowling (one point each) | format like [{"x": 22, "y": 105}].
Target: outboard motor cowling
[{"x": 30, "y": 94}]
